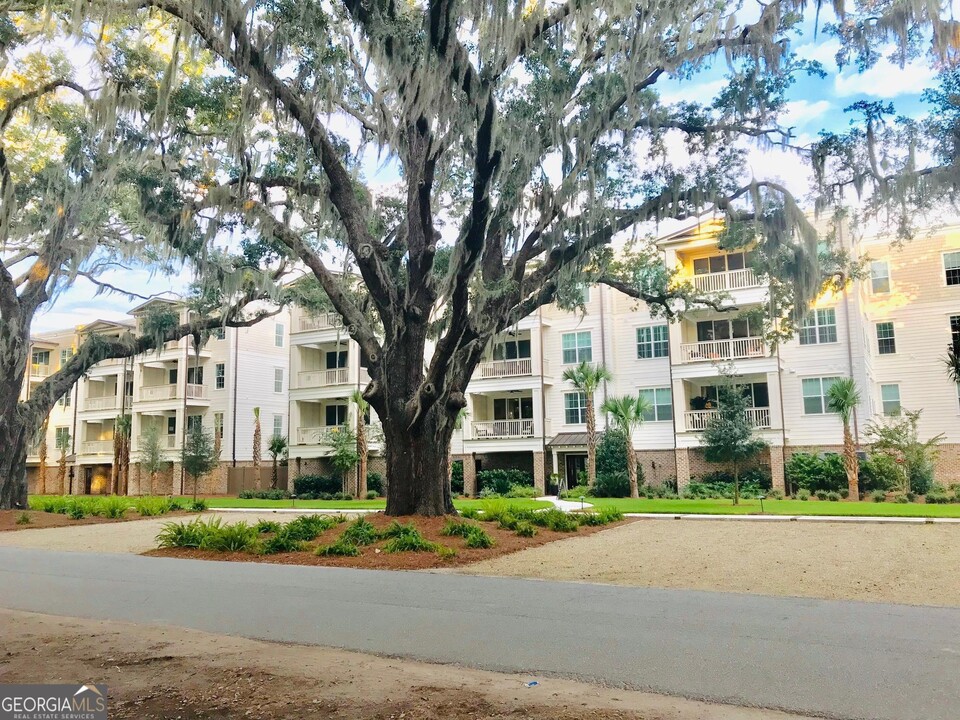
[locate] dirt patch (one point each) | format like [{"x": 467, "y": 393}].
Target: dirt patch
[
  {"x": 911, "y": 564},
  {"x": 374, "y": 557},
  {"x": 154, "y": 672},
  {"x": 39, "y": 519}
]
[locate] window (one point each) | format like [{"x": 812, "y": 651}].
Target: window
[
  {"x": 278, "y": 380},
  {"x": 880, "y": 276},
  {"x": 652, "y": 341},
  {"x": 65, "y": 356},
  {"x": 278, "y": 425},
  {"x": 756, "y": 394},
  {"x": 128, "y": 388},
  {"x": 661, "y": 404},
  {"x": 40, "y": 357},
  {"x": 172, "y": 425},
  {"x": 67, "y": 399},
  {"x": 819, "y": 327},
  {"x": 219, "y": 333},
  {"x": 575, "y": 408},
  {"x": 195, "y": 375},
  {"x": 710, "y": 330},
  {"x": 336, "y": 359},
  {"x": 720, "y": 263},
  {"x": 577, "y": 347},
  {"x": 511, "y": 350},
  {"x": 278, "y": 334},
  {"x": 194, "y": 423},
  {"x": 955, "y": 332},
  {"x": 513, "y": 408},
  {"x": 815, "y": 391},
  {"x": 218, "y": 425},
  {"x": 886, "y": 342},
  {"x": 172, "y": 376},
  {"x": 336, "y": 415},
  {"x": 220, "y": 371},
  {"x": 890, "y": 397},
  {"x": 62, "y": 438},
  {"x": 951, "y": 266},
  {"x": 584, "y": 292}
]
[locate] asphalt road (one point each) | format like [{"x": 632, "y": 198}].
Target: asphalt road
[{"x": 839, "y": 659}]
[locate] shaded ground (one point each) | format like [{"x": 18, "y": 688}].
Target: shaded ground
[
  {"x": 39, "y": 519},
  {"x": 912, "y": 564},
  {"x": 505, "y": 542},
  {"x": 154, "y": 672}
]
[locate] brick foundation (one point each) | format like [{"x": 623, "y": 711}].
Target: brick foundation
[
  {"x": 539, "y": 473},
  {"x": 658, "y": 466}
]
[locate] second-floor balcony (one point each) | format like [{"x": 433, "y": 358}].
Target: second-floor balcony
[
  {"x": 697, "y": 420},
  {"x": 712, "y": 350},
  {"x": 38, "y": 371},
  {"x": 167, "y": 441},
  {"x": 726, "y": 281},
  {"x": 323, "y": 321},
  {"x": 323, "y": 378},
  {"x": 497, "y": 429},
  {"x": 152, "y": 393},
  {"x": 96, "y": 447},
  {"x": 104, "y": 402},
  {"x": 505, "y": 368}
]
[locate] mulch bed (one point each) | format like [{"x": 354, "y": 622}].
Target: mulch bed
[
  {"x": 41, "y": 519},
  {"x": 373, "y": 557}
]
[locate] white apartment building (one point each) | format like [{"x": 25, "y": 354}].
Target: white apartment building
[
  {"x": 888, "y": 332},
  {"x": 173, "y": 389}
]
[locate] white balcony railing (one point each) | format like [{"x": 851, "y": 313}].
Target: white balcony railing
[
  {"x": 492, "y": 429},
  {"x": 158, "y": 392},
  {"x": 324, "y": 378},
  {"x": 314, "y": 435},
  {"x": 39, "y": 370},
  {"x": 168, "y": 442},
  {"x": 723, "y": 281},
  {"x": 197, "y": 392},
  {"x": 96, "y": 447},
  {"x": 696, "y": 420},
  {"x": 737, "y": 348},
  {"x": 505, "y": 368},
  {"x": 324, "y": 321},
  {"x": 105, "y": 402}
]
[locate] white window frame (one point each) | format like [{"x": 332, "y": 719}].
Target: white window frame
[
  {"x": 884, "y": 401},
  {"x": 874, "y": 277},
  {"x": 278, "y": 380},
  {"x": 652, "y": 343},
  {"x": 824, "y": 399},
  {"x": 67, "y": 399},
  {"x": 194, "y": 421},
  {"x": 63, "y": 431},
  {"x": 279, "y": 329},
  {"x": 220, "y": 376},
  {"x": 655, "y": 414},
  {"x": 819, "y": 327},
  {"x": 892, "y": 337},
  {"x": 577, "y": 348},
  {"x": 278, "y": 425},
  {"x": 581, "y": 409},
  {"x": 943, "y": 259}
]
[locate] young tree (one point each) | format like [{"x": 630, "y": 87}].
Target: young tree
[
  {"x": 42, "y": 457},
  {"x": 257, "y": 439},
  {"x": 728, "y": 436},
  {"x": 586, "y": 378},
  {"x": 152, "y": 456},
  {"x": 63, "y": 444},
  {"x": 899, "y": 436},
  {"x": 363, "y": 408},
  {"x": 843, "y": 398},
  {"x": 627, "y": 413},
  {"x": 277, "y": 449},
  {"x": 344, "y": 455},
  {"x": 198, "y": 455}
]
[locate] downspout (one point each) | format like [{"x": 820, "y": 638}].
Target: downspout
[
  {"x": 683, "y": 407},
  {"x": 846, "y": 312},
  {"x": 235, "y": 371},
  {"x": 603, "y": 353},
  {"x": 183, "y": 430},
  {"x": 543, "y": 405}
]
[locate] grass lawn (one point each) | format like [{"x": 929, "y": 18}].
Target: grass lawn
[
  {"x": 778, "y": 507},
  {"x": 232, "y": 502}
]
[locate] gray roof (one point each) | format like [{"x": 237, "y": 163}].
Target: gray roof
[{"x": 570, "y": 439}]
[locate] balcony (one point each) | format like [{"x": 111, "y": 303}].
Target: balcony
[
  {"x": 196, "y": 392},
  {"x": 696, "y": 420},
  {"x": 505, "y": 368},
  {"x": 324, "y": 378},
  {"x": 168, "y": 442},
  {"x": 149, "y": 393},
  {"x": 104, "y": 402},
  {"x": 39, "y": 371},
  {"x": 497, "y": 429},
  {"x": 324, "y": 321},
  {"x": 724, "y": 281},
  {"x": 96, "y": 447},
  {"x": 736, "y": 349},
  {"x": 315, "y": 435}
]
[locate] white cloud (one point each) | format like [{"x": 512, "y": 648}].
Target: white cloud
[
  {"x": 799, "y": 112},
  {"x": 885, "y": 80},
  {"x": 703, "y": 92},
  {"x": 823, "y": 52}
]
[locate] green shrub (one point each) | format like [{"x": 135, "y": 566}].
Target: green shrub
[
  {"x": 803, "y": 494},
  {"x": 525, "y": 528},
  {"x": 306, "y": 485},
  {"x": 938, "y": 496},
  {"x": 456, "y": 528},
  {"x": 281, "y": 542},
  {"x": 198, "y": 505},
  {"x": 921, "y": 477},
  {"x": 446, "y": 553},
  {"x": 522, "y": 491},
  {"x": 410, "y": 540},
  {"x": 187, "y": 534},
  {"x": 115, "y": 507},
  {"x": 471, "y": 513},
  {"x": 613, "y": 484},
  {"x": 501, "y": 481},
  {"x": 178, "y": 504},
  {"x": 395, "y": 529},
  {"x": 879, "y": 471},
  {"x": 901, "y": 498},
  {"x": 576, "y": 492},
  {"x": 234, "y": 537},
  {"x": 554, "y": 519},
  {"x": 308, "y": 527},
  {"x": 478, "y": 538},
  {"x": 878, "y": 496},
  {"x": 833, "y": 496},
  {"x": 150, "y": 506},
  {"x": 341, "y": 546},
  {"x": 268, "y": 526},
  {"x": 775, "y": 495},
  {"x": 612, "y": 452},
  {"x": 77, "y": 512},
  {"x": 23, "y": 519},
  {"x": 813, "y": 473},
  {"x": 845, "y": 493},
  {"x": 264, "y": 495},
  {"x": 362, "y": 532},
  {"x": 821, "y": 494},
  {"x": 911, "y": 496},
  {"x": 456, "y": 477},
  {"x": 372, "y": 495},
  {"x": 374, "y": 484},
  {"x": 494, "y": 509}
]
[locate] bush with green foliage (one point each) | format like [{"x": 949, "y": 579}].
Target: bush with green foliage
[
  {"x": 457, "y": 528},
  {"x": 307, "y": 485},
  {"x": 937, "y": 495},
  {"x": 264, "y": 495},
  {"x": 23, "y": 519},
  {"x": 198, "y": 505},
  {"x": 878, "y": 496},
  {"x": 115, "y": 507},
  {"x": 308, "y": 527},
  {"x": 612, "y": 453},
  {"x": 813, "y": 473},
  {"x": 478, "y": 539},
  {"x": 604, "y": 516},
  {"x": 233, "y": 537},
  {"x": 456, "y": 477},
  {"x": 879, "y": 471},
  {"x": 833, "y": 496},
  {"x": 525, "y": 528},
  {"x": 282, "y": 542},
  {"x": 501, "y": 481},
  {"x": 268, "y": 526},
  {"x": 471, "y": 513},
  {"x": 341, "y": 547},
  {"x": 372, "y": 495},
  {"x": 375, "y": 484},
  {"x": 362, "y": 532},
  {"x": 803, "y": 494},
  {"x": 775, "y": 495},
  {"x": 614, "y": 484},
  {"x": 406, "y": 538},
  {"x": 576, "y": 492},
  {"x": 187, "y": 534},
  {"x": 150, "y": 506}
]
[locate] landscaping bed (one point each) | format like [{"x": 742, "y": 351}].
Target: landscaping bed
[
  {"x": 376, "y": 541},
  {"x": 51, "y": 511}
]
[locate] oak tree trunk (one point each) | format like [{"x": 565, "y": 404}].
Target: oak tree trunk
[
  {"x": 13, "y": 463},
  {"x": 417, "y": 466}
]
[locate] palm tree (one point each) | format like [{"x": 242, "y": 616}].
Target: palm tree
[
  {"x": 277, "y": 448},
  {"x": 627, "y": 413},
  {"x": 843, "y": 398},
  {"x": 257, "y": 439},
  {"x": 363, "y": 407},
  {"x": 42, "y": 453},
  {"x": 952, "y": 361},
  {"x": 587, "y": 378}
]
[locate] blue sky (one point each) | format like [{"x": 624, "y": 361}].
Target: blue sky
[{"x": 815, "y": 104}]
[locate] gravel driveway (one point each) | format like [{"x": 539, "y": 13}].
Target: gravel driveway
[{"x": 912, "y": 564}]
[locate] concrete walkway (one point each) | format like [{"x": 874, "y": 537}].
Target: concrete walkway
[
  {"x": 565, "y": 505},
  {"x": 837, "y": 659}
]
